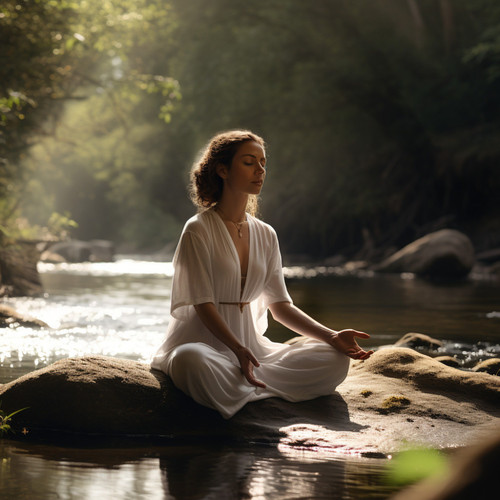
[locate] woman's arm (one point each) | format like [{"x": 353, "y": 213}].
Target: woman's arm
[
  {"x": 297, "y": 320},
  {"x": 211, "y": 318}
]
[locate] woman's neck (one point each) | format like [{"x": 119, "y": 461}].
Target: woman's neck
[{"x": 232, "y": 209}]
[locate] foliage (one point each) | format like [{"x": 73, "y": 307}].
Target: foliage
[
  {"x": 5, "y": 420},
  {"x": 104, "y": 66},
  {"x": 359, "y": 116},
  {"x": 381, "y": 117},
  {"x": 32, "y": 71},
  {"x": 416, "y": 464}
]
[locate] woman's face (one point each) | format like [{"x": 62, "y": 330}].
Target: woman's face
[{"x": 248, "y": 169}]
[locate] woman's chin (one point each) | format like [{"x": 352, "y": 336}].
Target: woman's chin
[{"x": 256, "y": 189}]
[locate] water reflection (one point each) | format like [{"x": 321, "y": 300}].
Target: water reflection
[
  {"x": 40, "y": 472},
  {"x": 389, "y": 306},
  {"x": 185, "y": 472}
]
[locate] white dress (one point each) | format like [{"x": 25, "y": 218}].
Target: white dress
[{"x": 207, "y": 269}]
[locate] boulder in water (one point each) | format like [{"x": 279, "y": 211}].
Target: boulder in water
[
  {"x": 415, "y": 340},
  {"x": 443, "y": 254},
  {"x": 79, "y": 251},
  {"x": 106, "y": 396}
]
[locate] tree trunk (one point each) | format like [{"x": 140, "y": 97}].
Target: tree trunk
[{"x": 18, "y": 270}]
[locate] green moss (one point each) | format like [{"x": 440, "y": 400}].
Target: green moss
[
  {"x": 366, "y": 393},
  {"x": 394, "y": 403}
]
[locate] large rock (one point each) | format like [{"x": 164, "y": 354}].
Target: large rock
[
  {"x": 70, "y": 251},
  {"x": 79, "y": 251},
  {"x": 18, "y": 269},
  {"x": 396, "y": 395},
  {"x": 98, "y": 394},
  {"x": 102, "y": 250},
  {"x": 444, "y": 254}
]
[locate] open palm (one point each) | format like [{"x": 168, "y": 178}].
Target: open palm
[{"x": 345, "y": 342}]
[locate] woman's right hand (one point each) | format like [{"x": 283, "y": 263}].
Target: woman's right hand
[
  {"x": 212, "y": 319},
  {"x": 247, "y": 362}
]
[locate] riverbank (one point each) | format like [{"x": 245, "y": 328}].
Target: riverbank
[{"x": 398, "y": 396}]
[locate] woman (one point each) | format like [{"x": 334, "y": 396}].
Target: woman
[{"x": 227, "y": 274}]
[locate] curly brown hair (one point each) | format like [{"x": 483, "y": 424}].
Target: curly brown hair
[{"x": 206, "y": 184}]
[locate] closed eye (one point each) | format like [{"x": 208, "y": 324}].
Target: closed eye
[{"x": 254, "y": 160}]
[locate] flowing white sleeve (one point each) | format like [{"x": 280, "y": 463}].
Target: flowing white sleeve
[
  {"x": 274, "y": 287},
  {"x": 192, "y": 283}
]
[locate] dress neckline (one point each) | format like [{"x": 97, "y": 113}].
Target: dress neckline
[{"x": 242, "y": 275}]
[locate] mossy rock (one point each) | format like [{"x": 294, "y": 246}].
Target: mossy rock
[{"x": 394, "y": 404}]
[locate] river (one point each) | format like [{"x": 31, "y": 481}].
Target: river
[{"x": 121, "y": 309}]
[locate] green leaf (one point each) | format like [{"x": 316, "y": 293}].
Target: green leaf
[{"x": 415, "y": 464}]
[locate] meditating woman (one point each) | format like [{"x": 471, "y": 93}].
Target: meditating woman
[{"x": 227, "y": 275}]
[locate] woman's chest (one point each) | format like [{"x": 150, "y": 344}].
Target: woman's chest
[{"x": 232, "y": 260}]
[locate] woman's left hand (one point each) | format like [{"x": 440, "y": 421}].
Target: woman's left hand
[{"x": 345, "y": 342}]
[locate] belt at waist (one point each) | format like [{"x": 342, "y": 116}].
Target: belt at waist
[{"x": 241, "y": 305}]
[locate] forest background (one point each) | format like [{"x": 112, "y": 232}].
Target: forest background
[{"x": 381, "y": 116}]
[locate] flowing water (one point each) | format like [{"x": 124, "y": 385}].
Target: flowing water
[{"x": 121, "y": 309}]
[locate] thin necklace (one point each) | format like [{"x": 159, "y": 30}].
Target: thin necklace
[{"x": 237, "y": 225}]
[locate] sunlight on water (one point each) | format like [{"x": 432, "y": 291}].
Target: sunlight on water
[
  {"x": 119, "y": 267},
  {"x": 115, "y": 309},
  {"x": 121, "y": 309},
  {"x": 302, "y": 272}
]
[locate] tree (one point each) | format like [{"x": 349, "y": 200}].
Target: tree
[
  {"x": 358, "y": 115},
  {"x": 84, "y": 55},
  {"x": 381, "y": 130}
]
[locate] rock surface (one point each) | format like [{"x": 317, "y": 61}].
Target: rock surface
[
  {"x": 448, "y": 360},
  {"x": 397, "y": 395},
  {"x": 18, "y": 269},
  {"x": 491, "y": 366},
  {"x": 418, "y": 340},
  {"x": 443, "y": 254},
  {"x": 10, "y": 317},
  {"x": 79, "y": 251}
]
